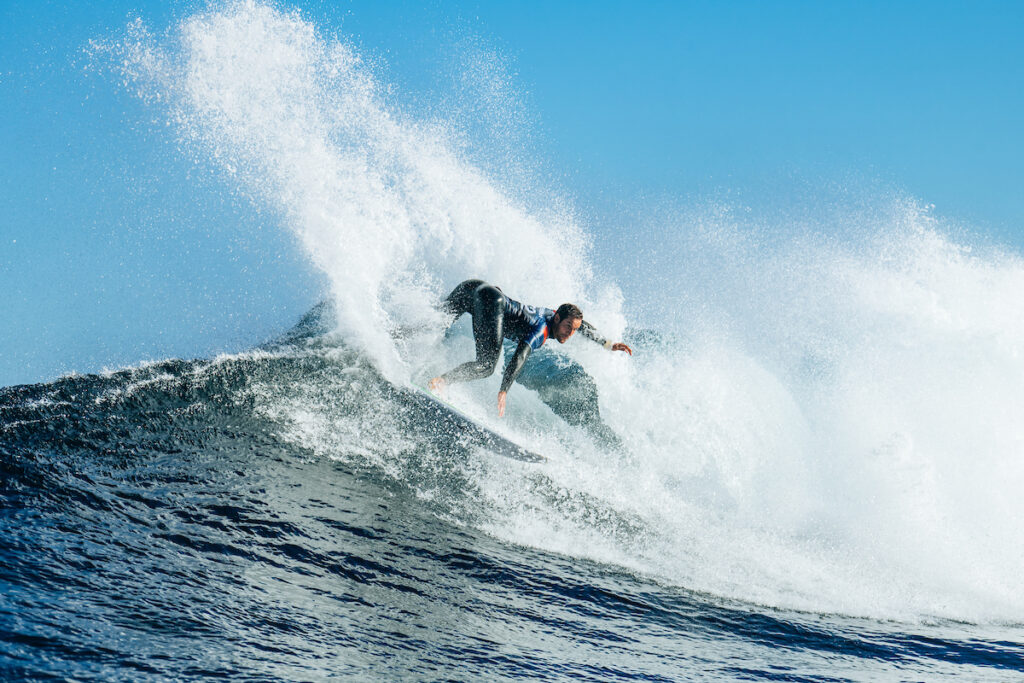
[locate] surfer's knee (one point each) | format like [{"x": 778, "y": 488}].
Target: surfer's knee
[
  {"x": 489, "y": 296},
  {"x": 460, "y": 300},
  {"x": 472, "y": 370},
  {"x": 486, "y": 367}
]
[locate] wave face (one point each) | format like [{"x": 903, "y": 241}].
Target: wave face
[
  {"x": 180, "y": 520},
  {"x": 815, "y": 449}
]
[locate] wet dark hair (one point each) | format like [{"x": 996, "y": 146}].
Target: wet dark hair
[{"x": 571, "y": 311}]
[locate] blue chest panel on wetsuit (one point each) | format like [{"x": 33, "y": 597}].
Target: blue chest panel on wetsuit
[{"x": 527, "y": 323}]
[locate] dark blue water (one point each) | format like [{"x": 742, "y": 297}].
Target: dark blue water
[{"x": 158, "y": 524}]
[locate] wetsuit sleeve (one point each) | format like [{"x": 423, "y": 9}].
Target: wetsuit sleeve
[
  {"x": 515, "y": 366},
  {"x": 590, "y": 332}
]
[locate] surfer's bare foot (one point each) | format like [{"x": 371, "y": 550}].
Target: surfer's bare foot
[{"x": 436, "y": 384}]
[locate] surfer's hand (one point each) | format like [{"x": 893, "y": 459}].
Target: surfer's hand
[
  {"x": 436, "y": 384},
  {"x": 501, "y": 403},
  {"x": 619, "y": 346}
]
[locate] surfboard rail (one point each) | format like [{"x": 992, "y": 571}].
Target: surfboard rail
[{"x": 456, "y": 420}]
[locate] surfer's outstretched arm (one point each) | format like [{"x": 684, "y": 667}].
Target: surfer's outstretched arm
[
  {"x": 590, "y": 332},
  {"x": 512, "y": 370}
]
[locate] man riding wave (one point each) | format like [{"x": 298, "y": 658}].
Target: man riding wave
[{"x": 496, "y": 317}]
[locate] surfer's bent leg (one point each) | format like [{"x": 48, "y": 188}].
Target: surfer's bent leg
[{"x": 488, "y": 309}]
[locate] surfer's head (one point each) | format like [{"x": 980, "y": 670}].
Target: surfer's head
[{"x": 565, "y": 322}]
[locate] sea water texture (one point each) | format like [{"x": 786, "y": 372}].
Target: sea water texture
[{"x": 814, "y": 471}]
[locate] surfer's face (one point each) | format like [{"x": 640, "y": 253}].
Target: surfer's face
[{"x": 564, "y": 328}]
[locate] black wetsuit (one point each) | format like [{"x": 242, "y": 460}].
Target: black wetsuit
[{"x": 495, "y": 317}]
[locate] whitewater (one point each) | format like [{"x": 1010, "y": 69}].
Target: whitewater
[{"x": 816, "y": 466}]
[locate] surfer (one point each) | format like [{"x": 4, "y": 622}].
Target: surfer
[{"x": 496, "y": 317}]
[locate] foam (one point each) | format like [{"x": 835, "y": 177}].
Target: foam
[
  {"x": 383, "y": 204},
  {"x": 835, "y": 428}
]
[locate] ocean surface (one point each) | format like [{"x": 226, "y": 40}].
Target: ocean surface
[
  {"x": 810, "y": 469},
  {"x": 166, "y": 522}
]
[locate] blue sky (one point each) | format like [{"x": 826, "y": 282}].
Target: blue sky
[{"x": 114, "y": 248}]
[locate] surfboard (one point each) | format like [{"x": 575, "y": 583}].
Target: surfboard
[{"x": 451, "y": 418}]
